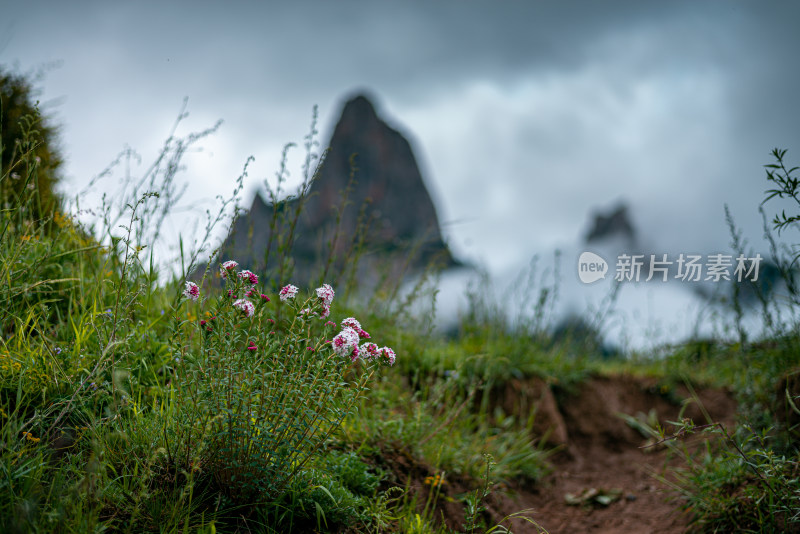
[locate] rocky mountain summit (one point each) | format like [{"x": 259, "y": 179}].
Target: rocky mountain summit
[
  {"x": 368, "y": 200},
  {"x": 614, "y": 224}
]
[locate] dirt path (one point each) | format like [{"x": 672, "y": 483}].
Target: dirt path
[
  {"x": 640, "y": 502},
  {"x": 602, "y": 457}
]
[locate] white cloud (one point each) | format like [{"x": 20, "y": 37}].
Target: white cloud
[{"x": 525, "y": 118}]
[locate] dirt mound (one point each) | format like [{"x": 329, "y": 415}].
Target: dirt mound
[
  {"x": 520, "y": 397},
  {"x": 588, "y": 414},
  {"x": 603, "y": 480}
]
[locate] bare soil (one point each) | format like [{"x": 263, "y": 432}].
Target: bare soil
[
  {"x": 599, "y": 454},
  {"x": 604, "y": 455}
]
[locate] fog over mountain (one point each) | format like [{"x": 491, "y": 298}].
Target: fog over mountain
[{"x": 526, "y": 118}]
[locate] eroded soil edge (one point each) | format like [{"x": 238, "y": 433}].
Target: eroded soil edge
[{"x": 601, "y": 454}]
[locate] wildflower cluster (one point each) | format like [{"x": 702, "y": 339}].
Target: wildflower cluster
[
  {"x": 208, "y": 324},
  {"x": 192, "y": 291},
  {"x": 322, "y": 307},
  {"x": 227, "y": 267},
  {"x": 288, "y": 292},
  {"x": 325, "y": 294},
  {"x": 436, "y": 480},
  {"x": 346, "y": 344},
  {"x": 28, "y": 436},
  {"x": 246, "y": 307},
  {"x": 256, "y": 353},
  {"x": 249, "y": 277}
]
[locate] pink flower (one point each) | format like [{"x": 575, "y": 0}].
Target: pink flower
[
  {"x": 370, "y": 351},
  {"x": 249, "y": 276},
  {"x": 350, "y": 322},
  {"x": 252, "y": 346},
  {"x": 191, "y": 291},
  {"x": 246, "y": 306},
  {"x": 288, "y": 292},
  {"x": 345, "y": 342},
  {"x": 326, "y": 311},
  {"x": 330, "y": 323},
  {"x": 363, "y": 334},
  {"x": 264, "y": 297},
  {"x": 389, "y": 355},
  {"x": 325, "y": 293},
  {"x": 228, "y": 266}
]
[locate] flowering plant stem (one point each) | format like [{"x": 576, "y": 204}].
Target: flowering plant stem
[{"x": 275, "y": 396}]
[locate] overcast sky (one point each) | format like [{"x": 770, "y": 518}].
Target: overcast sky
[{"x": 525, "y": 116}]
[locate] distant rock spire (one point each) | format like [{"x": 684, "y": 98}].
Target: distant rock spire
[
  {"x": 614, "y": 224},
  {"x": 388, "y": 185}
]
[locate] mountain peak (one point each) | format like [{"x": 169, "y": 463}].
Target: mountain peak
[
  {"x": 359, "y": 109},
  {"x": 386, "y": 184}
]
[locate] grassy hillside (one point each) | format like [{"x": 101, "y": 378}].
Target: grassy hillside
[{"x": 134, "y": 400}]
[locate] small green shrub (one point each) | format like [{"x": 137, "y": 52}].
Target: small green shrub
[
  {"x": 29, "y": 155},
  {"x": 334, "y": 493},
  {"x": 277, "y": 383},
  {"x": 736, "y": 482}
]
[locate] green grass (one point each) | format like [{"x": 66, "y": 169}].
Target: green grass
[{"x": 121, "y": 411}]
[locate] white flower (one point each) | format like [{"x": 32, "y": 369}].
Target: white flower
[
  {"x": 229, "y": 265},
  {"x": 288, "y": 292},
  {"x": 191, "y": 291},
  {"x": 246, "y": 306},
  {"x": 325, "y": 293},
  {"x": 345, "y": 341},
  {"x": 389, "y": 355},
  {"x": 350, "y": 322},
  {"x": 369, "y": 351},
  {"x": 249, "y": 276}
]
